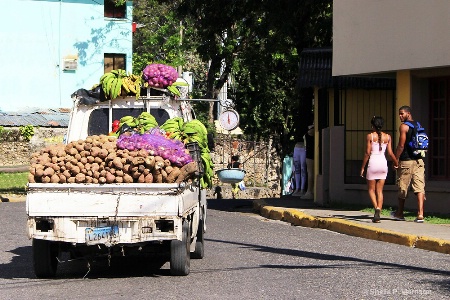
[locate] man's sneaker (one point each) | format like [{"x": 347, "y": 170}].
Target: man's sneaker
[{"x": 308, "y": 196}]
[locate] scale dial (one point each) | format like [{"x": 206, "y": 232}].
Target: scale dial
[{"x": 229, "y": 119}]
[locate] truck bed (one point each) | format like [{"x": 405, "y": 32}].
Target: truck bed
[
  {"x": 139, "y": 212},
  {"x": 121, "y": 200}
]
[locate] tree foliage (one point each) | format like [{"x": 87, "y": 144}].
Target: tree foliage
[{"x": 253, "y": 44}]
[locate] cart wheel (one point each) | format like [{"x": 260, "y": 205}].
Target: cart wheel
[
  {"x": 199, "y": 251},
  {"x": 180, "y": 259},
  {"x": 45, "y": 256}
]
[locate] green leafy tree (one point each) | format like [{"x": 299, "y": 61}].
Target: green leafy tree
[{"x": 255, "y": 44}]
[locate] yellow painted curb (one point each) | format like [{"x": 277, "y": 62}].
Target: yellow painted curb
[
  {"x": 368, "y": 232},
  {"x": 299, "y": 218},
  {"x": 433, "y": 244}
]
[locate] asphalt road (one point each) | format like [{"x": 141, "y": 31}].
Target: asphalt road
[{"x": 246, "y": 257}]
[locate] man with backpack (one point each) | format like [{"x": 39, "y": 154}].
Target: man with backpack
[{"x": 411, "y": 167}]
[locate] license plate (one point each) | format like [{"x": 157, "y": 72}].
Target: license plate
[{"x": 102, "y": 235}]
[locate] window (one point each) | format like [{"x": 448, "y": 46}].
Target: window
[
  {"x": 98, "y": 120},
  {"x": 114, "y": 61},
  {"x": 439, "y": 133},
  {"x": 113, "y": 11}
]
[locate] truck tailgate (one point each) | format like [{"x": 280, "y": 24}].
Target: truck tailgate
[{"x": 121, "y": 200}]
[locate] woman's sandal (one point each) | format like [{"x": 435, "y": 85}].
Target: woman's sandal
[
  {"x": 419, "y": 219},
  {"x": 376, "y": 217}
]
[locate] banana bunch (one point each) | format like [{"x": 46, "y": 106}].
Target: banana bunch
[
  {"x": 172, "y": 127},
  {"x": 208, "y": 166},
  {"x": 111, "y": 83},
  {"x": 132, "y": 84},
  {"x": 195, "y": 131},
  {"x": 146, "y": 121}
]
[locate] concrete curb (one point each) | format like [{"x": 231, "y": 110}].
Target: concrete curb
[{"x": 298, "y": 218}]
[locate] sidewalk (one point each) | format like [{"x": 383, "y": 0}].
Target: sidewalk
[{"x": 306, "y": 213}]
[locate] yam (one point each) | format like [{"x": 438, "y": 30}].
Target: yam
[
  {"x": 79, "y": 147},
  {"x": 75, "y": 170},
  {"x": 148, "y": 178},
  {"x": 95, "y": 151},
  {"x": 39, "y": 172},
  {"x": 72, "y": 151},
  {"x": 103, "y": 153},
  {"x": 95, "y": 167},
  {"x": 80, "y": 178},
  {"x": 49, "y": 171},
  {"x": 187, "y": 171},
  {"x": 62, "y": 178},
  {"x": 127, "y": 178},
  {"x": 164, "y": 175},
  {"x": 31, "y": 178},
  {"x": 117, "y": 162},
  {"x": 110, "y": 177},
  {"x": 141, "y": 178},
  {"x": 32, "y": 170},
  {"x": 98, "y": 160},
  {"x": 168, "y": 169},
  {"x": 167, "y": 163},
  {"x": 138, "y": 160},
  {"x": 173, "y": 175},
  {"x": 87, "y": 146},
  {"x": 142, "y": 153},
  {"x": 150, "y": 162},
  {"x": 127, "y": 168},
  {"x": 66, "y": 174},
  {"x": 45, "y": 179}
]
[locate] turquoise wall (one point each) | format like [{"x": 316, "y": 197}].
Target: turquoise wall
[{"x": 35, "y": 36}]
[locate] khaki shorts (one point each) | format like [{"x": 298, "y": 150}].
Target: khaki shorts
[{"x": 410, "y": 171}]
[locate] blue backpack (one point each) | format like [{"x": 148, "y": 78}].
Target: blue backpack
[{"x": 419, "y": 139}]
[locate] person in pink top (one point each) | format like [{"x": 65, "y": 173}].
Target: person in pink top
[{"x": 377, "y": 142}]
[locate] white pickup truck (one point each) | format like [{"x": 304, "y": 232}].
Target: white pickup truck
[{"x": 92, "y": 220}]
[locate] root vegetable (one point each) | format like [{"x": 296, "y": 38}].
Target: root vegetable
[
  {"x": 117, "y": 162},
  {"x": 173, "y": 175},
  {"x": 148, "y": 178},
  {"x": 80, "y": 178},
  {"x": 101, "y": 180},
  {"x": 31, "y": 178},
  {"x": 127, "y": 178},
  {"x": 187, "y": 171},
  {"x": 110, "y": 177},
  {"x": 49, "y": 171}
]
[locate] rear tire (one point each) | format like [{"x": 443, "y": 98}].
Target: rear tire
[
  {"x": 180, "y": 259},
  {"x": 45, "y": 257},
  {"x": 199, "y": 251}
]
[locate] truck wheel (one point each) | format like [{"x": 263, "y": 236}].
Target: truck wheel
[
  {"x": 180, "y": 260},
  {"x": 45, "y": 256},
  {"x": 199, "y": 251}
]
